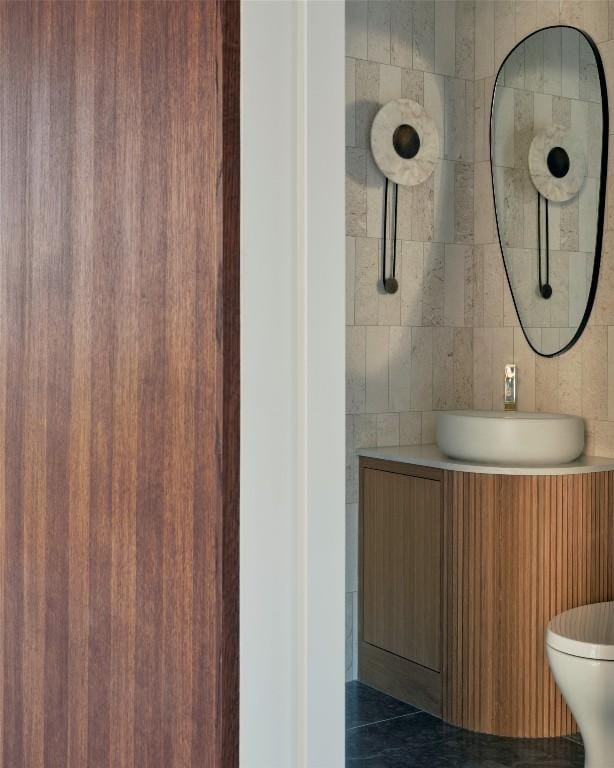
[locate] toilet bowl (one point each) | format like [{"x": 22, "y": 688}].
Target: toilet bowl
[{"x": 580, "y": 647}]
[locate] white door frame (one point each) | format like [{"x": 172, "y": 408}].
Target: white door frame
[{"x": 293, "y": 383}]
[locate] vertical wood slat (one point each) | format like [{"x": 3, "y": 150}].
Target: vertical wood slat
[
  {"x": 517, "y": 551},
  {"x": 119, "y": 369}
]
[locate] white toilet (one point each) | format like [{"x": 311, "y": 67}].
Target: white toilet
[{"x": 580, "y": 646}]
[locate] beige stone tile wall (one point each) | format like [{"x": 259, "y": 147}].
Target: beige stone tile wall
[
  {"x": 441, "y": 342},
  {"x": 411, "y": 353}
]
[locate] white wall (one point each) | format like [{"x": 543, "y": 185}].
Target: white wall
[{"x": 292, "y": 369}]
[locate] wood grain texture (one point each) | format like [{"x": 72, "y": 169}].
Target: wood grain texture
[
  {"x": 119, "y": 382},
  {"x": 401, "y": 566},
  {"x": 517, "y": 551}
]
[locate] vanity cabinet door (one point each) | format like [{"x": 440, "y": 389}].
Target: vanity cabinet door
[{"x": 401, "y": 565}]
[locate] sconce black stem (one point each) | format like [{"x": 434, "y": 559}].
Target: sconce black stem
[
  {"x": 545, "y": 289},
  {"x": 390, "y": 284}
]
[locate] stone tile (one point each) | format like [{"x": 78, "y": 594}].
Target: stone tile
[
  {"x": 377, "y": 341},
  {"x": 552, "y": 82},
  {"x": 443, "y": 368},
  {"x": 355, "y": 369},
  {"x": 351, "y": 475},
  {"x": 476, "y": 317},
  {"x": 548, "y": 13},
  {"x": 524, "y": 357},
  {"x": 596, "y": 19},
  {"x": 485, "y": 39},
  {"x": 493, "y": 286},
  {"x": 429, "y": 425},
  {"x": 378, "y": 31},
  {"x": 401, "y": 33},
  {"x": 424, "y": 36},
  {"x": 433, "y": 282},
  {"x": 534, "y": 64},
  {"x": 355, "y": 194},
  {"x": 547, "y": 384},
  {"x": 599, "y": 438},
  {"x": 570, "y": 231},
  {"x": 410, "y": 428},
  {"x": 351, "y": 548},
  {"x": 526, "y": 18},
  {"x": 570, "y": 84},
  {"x": 389, "y": 83},
  {"x": 463, "y": 205},
  {"x": 464, "y": 43},
  {"x": 412, "y": 85},
  {"x": 458, "y": 110},
  {"x": 445, "y": 37},
  {"x": 572, "y": 12},
  {"x": 375, "y": 200},
  {"x": 387, "y": 429},
  {"x": 350, "y": 272},
  {"x": 356, "y": 28},
  {"x": 434, "y": 103},
  {"x": 367, "y": 100},
  {"x": 482, "y": 362},
  {"x": 412, "y": 283},
  {"x": 484, "y": 219},
  {"x": 570, "y": 381},
  {"x": 593, "y": 344},
  {"x": 505, "y": 30},
  {"x": 463, "y": 368},
  {"x": 481, "y": 106},
  {"x": 422, "y": 211},
  {"x": 366, "y": 281},
  {"x": 350, "y": 102},
  {"x": 422, "y": 369},
  {"x": 443, "y": 187},
  {"x": 399, "y": 356},
  {"x": 454, "y": 285},
  {"x": 389, "y": 304}
]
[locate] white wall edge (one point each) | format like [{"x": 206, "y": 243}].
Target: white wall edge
[{"x": 293, "y": 383}]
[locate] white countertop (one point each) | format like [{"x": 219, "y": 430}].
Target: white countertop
[{"x": 431, "y": 456}]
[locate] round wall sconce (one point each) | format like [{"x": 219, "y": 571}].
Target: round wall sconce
[
  {"x": 405, "y": 146},
  {"x": 404, "y": 142},
  {"x": 557, "y": 164}
]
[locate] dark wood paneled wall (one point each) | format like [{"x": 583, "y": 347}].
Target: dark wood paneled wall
[
  {"x": 518, "y": 550},
  {"x": 119, "y": 384}
]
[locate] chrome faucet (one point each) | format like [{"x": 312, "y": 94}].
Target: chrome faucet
[{"x": 509, "y": 395}]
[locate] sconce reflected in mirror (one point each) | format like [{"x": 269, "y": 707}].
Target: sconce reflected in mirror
[{"x": 549, "y": 147}]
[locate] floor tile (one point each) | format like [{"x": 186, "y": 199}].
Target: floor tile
[
  {"x": 365, "y": 705},
  {"x": 415, "y": 739}
]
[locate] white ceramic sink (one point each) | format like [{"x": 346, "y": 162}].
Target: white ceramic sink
[{"x": 510, "y": 437}]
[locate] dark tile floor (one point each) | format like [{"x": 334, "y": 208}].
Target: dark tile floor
[{"x": 382, "y": 732}]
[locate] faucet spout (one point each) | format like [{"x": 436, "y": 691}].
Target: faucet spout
[{"x": 509, "y": 392}]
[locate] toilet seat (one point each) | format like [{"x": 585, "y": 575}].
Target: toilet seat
[{"x": 586, "y": 631}]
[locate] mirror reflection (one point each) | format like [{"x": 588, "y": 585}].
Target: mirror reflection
[{"x": 549, "y": 159}]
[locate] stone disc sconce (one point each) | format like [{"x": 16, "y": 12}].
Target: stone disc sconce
[
  {"x": 404, "y": 142},
  {"x": 557, "y": 164},
  {"x": 405, "y": 146}
]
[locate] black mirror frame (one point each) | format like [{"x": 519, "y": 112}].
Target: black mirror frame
[{"x": 605, "y": 136}]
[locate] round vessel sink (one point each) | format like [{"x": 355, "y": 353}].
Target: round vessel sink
[{"x": 510, "y": 437}]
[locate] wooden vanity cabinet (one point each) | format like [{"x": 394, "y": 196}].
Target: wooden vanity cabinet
[
  {"x": 400, "y": 564},
  {"x": 460, "y": 573}
]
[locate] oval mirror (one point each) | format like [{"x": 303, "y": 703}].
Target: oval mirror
[{"x": 549, "y": 146}]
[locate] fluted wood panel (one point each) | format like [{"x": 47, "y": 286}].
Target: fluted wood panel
[{"x": 517, "y": 551}]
